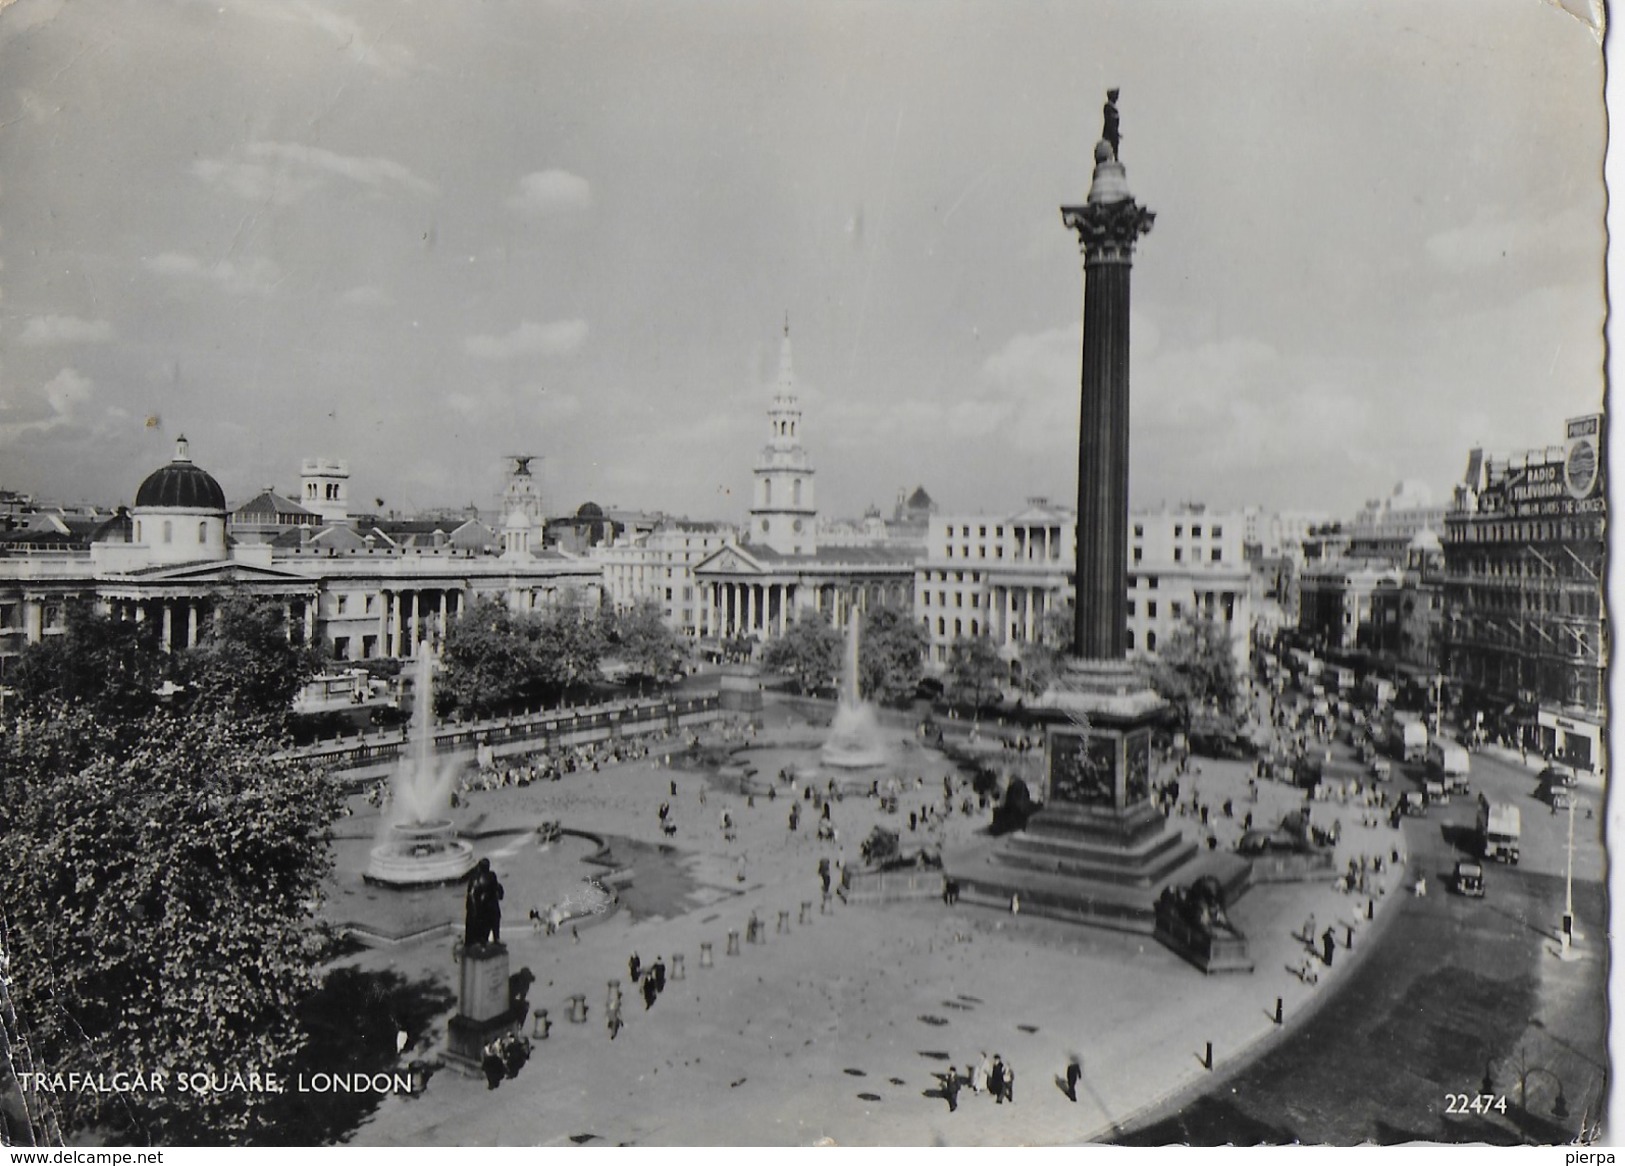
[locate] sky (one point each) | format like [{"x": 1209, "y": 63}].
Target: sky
[{"x": 422, "y": 236}]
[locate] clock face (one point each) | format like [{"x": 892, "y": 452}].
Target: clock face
[
  {"x": 1581, "y": 469},
  {"x": 797, "y": 524},
  {"x": 764, "y": 525}
]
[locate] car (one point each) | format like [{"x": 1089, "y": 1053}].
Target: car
[
  {"x": 1381, "y": 768},
  {"x": 1562, "y": 799},
  {"x": 1469, "y": 880},
  {"x": 1559, "y": 775}
]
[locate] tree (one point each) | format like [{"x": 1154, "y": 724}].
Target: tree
[
  {"x": 112, "y": 667},
  {"x": 249, "y": 662},
  {"x": 976, "y": 672},
  {"x": 1043, "y": 659},
  {"x": 891, "y": 654},
  {"x": 809, "y": 652},
  {"x": 488, "y": 660},
  {"x": 1196, "y": 673},
  {"x": 569, "y": 643},
  {"x": 642, "y": 640},
  {"x": 157, "y": 901}
]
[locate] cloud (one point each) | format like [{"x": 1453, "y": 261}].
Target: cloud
[
  {"x": 372, "y": 51},
  {"x": 558, "y": 338},
  {"x": 550, "y": 191},
  {"x": 250, "y": 277},
  {"x": 1492, "y": 238},
  {"x": 285, "y": 172},
  {"x": 48, "y": 331},
  {"x": 368, "y": 295},
  {"x": 63, "y": 394}
]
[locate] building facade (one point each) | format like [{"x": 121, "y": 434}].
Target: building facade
[
  {"x": 1011, "y": 578},
  {"x": 1526, "y": 629}
]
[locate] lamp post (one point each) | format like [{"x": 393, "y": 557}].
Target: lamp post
[{"x": 1566, "y": 950}]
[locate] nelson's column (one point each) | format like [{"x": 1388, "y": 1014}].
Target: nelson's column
[{"x": 1098, "y": 851}]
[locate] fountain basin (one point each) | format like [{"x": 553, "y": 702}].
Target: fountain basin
[
  {"x": 855, "y": 740},
  {"x": 419, "y": 854}
]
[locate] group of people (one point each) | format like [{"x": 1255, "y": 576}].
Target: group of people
[
  {"x": 554, "y": 763},
  {"x": 993, "y": 1076},
  {"x": 651, "y": 981},
  {"x": 504, "y": 1057}
]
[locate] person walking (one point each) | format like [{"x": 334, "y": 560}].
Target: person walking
[
  {"x": 634, "y": 966},
  {"x": 1328, "y": 942},
  {"x": 995, "y": 1080},
  {"x": 950, "y": 1088},
  {"x": 979, "y": 1074},
  {"x": 1074, "y": 1073},
  {"x": 1010, "y": 1083},
  {"x": 658, "y": 972}
]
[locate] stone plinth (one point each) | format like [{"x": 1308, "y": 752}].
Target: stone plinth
[
  {"x": 1217, "y": 949},
  {"x": 482, "y": 989},
  {"x": 740, "y": 688},
  {"x": 485, "y": 1009},
  {"x": 1098, "y": 851}
]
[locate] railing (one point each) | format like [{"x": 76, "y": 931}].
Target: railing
[{"x": 563, "y": 726}]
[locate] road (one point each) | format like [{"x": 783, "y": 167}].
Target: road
[{"x": 1455, "y": 987}]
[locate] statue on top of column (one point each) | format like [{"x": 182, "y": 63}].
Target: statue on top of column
[{"x": 1108, "y": 131}]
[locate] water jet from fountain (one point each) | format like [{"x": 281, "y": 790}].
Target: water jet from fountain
[
  {"x": 854, "y": 735},
  {"x": 418, "y": 845}
]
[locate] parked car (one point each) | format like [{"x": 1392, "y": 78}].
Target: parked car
[{"x": 1469, "y": 880}]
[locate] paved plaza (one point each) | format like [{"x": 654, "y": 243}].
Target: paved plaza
[{"x": 837, "y": 1029}]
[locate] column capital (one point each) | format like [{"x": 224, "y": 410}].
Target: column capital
[{"x": 1108, "y": 231}]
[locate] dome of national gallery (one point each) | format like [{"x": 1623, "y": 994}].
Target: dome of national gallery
[{"x": 181, "y": 485}]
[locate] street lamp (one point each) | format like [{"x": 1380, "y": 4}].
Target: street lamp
[{"x": 1566, "y": 951}]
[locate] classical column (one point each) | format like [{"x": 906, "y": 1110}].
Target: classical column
[
  {"x": 191, "y": 623},
  {"x": 169, "y": 625},
  {"x": 310, "y": 618},
  {"x": 414, "y": 605},
  {"x": 1107, "y": 225}
]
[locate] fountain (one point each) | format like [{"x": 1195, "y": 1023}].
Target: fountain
[
  {"x": 854, "y": 735},
  {"x": 418, "y": 846}
]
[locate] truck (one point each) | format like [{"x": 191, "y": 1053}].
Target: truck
[
  {"x": 1409, "y": 740},
  {"x": 1449, "y": 762},
  {"x": 1499, "y": 828}
]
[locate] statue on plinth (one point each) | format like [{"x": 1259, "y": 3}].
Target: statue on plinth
[
  {"x": 482, "y": 907},
  {"x": 1108, "y": 130}
]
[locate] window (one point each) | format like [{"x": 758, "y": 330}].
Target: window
[
  {"x": 1151, "y": 609},
  {"x": 1131, "y": 607},
  {"x": 1179, "y": 554},
  {"x": 950, "y": 552},
  {"x": 1218, "y": 532},
  {"x": 338, "y": 607},
  {"x": 202, "y": 533},
  {"x": 1150, "y": 641},
  {"x": 1196, "y": 532},
  {"x": 1139, "y": 530},
  {"x": 341, "y": 647},
  {"x": 1217, "y": 555},
  {"x": 1177, "y": 609},
  {"x": 169, "y": 531},
  {"x": 1131, "y": 639},
  {"x": 942, "y": 626},
  {"x": 1139, "y": 554},
  {"x": 1179, "y": 532}
]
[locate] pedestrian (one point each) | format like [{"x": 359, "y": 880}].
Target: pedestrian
[
  {"x": 1309, "y": 929},
  {"x": 1010, "y": 1084},
  {"x": 614, "y": 1016},
  {"x": 979, "y": 1074},
  {"x": 634, "y": 966},
  {"x": 649, "y": 992},
  {"x": 950, "y": 1088},
  {"x": 1328, "y": 942},
  {"x": 1074, "y": 1072},
  {"x": 995, "y": 1080},
  {"x": 659, "y": 974},
  {"x": 1015, "y": 903}
]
